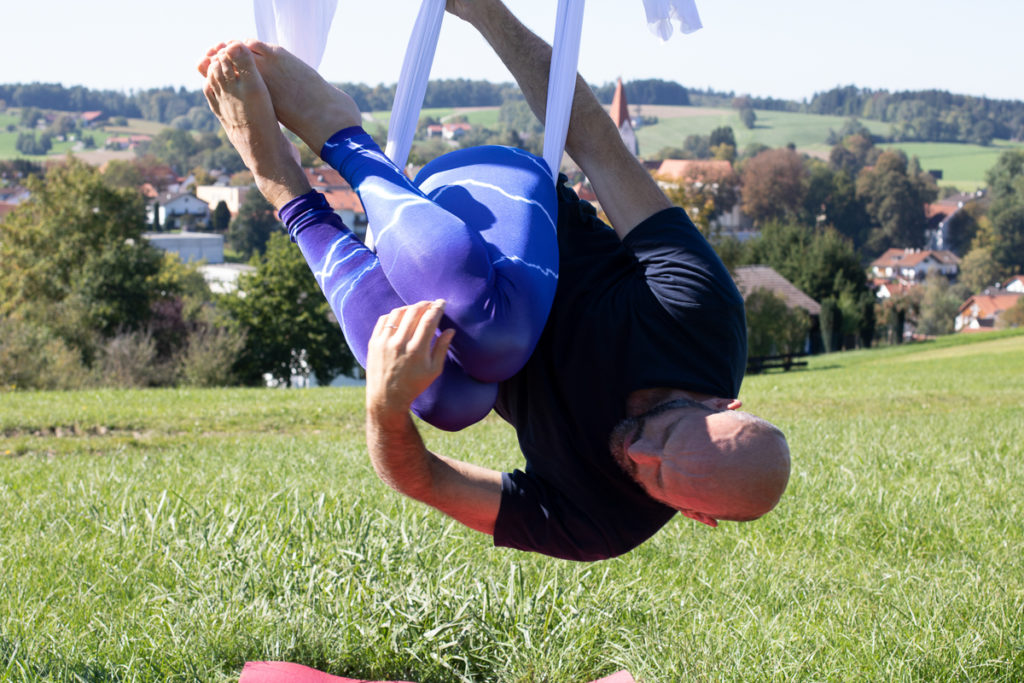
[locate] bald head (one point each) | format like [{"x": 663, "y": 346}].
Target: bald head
[{"x": 708, "y": 464}]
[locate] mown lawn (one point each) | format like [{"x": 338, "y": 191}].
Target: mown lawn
[{"x": 175, "y": 534}]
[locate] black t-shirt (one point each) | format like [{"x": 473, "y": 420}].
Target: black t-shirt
[{"x": 657, "y": 309}]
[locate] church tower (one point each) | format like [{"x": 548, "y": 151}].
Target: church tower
[{"x": 620, "y": 115}]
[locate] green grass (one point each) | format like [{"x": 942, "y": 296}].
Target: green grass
[
  {"x": 775, "y": 129},
  {"x": 175, "y": 534},
  {"x": 963, "y": 166}
]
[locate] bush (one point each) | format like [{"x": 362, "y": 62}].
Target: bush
[
  {"x": 129, "y": 360},
  {"x": 32, "y": 358},
  {"x": 772, "y": 327},
  {"x": 209, "y": 358}
]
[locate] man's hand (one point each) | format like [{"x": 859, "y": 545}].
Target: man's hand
[{"x": 403, "y": 357}]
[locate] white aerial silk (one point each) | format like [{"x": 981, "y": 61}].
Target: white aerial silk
[
  {"x": 660, "y": 14},
  {"x": 412, "y": 83},
  {"x": 565, "y": 56},
  {"x": 299, "y": 26}
]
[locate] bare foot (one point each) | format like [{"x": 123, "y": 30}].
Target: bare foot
[
  {"x": 239, "y": 98},
  {"x": 204, "y": 63},
  {"x": 305, "y": 103}
]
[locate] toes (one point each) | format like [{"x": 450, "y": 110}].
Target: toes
[
  {"x": 204, "y": 63},
  {"x": 239, "y": 56},
  {"x": 257, "y": 46}
]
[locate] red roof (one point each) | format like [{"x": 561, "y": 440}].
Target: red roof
[
  {"x": 324, "y": 177},
  {"x": 690, "y": 170},
  {"x": 6, "y": 208},
  {"x": 908, "y": 258},
  {"x": 990, "y": 305},
  {"x": 342, "y": 199}
]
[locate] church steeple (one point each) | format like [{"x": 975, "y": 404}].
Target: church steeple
[{"x": 620, "y": 115}]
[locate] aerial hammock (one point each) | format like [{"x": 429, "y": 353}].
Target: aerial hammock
[
  {"x": 476, "y": 227},
  {"x": 302, "y": 26}
]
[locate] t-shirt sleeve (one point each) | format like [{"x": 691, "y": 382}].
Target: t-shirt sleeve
[
  {"x": 698, "y": 296},
  {"x": 682, "y": 269},
  {"x": 534, "y": 517}
]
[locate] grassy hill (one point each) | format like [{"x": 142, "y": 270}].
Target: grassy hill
[
  {"x": 963, "y": 165},
  {"x": 175, "y": 534}
]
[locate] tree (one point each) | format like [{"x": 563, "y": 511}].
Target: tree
[
  {"x": 75, "y": 258},
  {"x": 832, "y": 199},
  {"x": 722, "y": 135},
  {"x": 746, "y": 111},
  {"x": 772, "y": 326},
  {"x": 895, "y": 192},
  {"x": 289, "y": 330},
  {"x": 1006, "y": 215},
  {"x": 220, "y": 219},
  {"x": 1012, "y": 317},
  {"x": 939, "y": 306},
  {"x": 249, "y": 232},
  {"x": 979, "y": 270},
  {"x": 774, "y": 185}
]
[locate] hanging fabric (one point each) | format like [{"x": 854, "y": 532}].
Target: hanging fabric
[
  {"x": 661, "y": 13},
  {"x": 299, "y": 26},
  {"x": 565, "y": 55},
  {"x": 412, "y": 83}
]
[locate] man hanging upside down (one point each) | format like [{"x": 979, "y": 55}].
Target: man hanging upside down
[{"x": 616, "y": 353}]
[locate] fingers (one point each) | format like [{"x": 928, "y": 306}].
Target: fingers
[{"x": 414, "y": 325}]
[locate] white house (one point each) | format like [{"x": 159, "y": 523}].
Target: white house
[
  {"x": 914, "y": 264},
  {"x": 171, "y": 207},
  {"x": 215, "y": 194}
]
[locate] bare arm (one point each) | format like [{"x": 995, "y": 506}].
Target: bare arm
[
  {"x": 625, "y": 189},
  {"x": 401, "y": 363}
]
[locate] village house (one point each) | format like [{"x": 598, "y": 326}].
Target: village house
[
  {"x": 751, "y": 278},
  {"x": 698, "y": 173},
  {"x": 940, "y": 217},
  {"x": 232, "y": 196},
  {"x": 981, "y": 311},
  {"x": 129, "y": 142},
  {"x": 169, "y": 209},
  {"x": 341, "y": 197},
  {"x": 448, "y": 131},
  {"x": 1014, "y": 285},
  {"x": 913, "y": 265}
]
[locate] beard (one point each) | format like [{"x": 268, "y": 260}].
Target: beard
[{"x": 629, "y": 430}]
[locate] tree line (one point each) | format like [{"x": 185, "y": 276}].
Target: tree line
[{"x": 926, "y": 115}]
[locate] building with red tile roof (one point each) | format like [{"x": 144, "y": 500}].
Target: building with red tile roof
[
  {"x": 982, "y": 311},
  {"x": 913, "y": 265}
]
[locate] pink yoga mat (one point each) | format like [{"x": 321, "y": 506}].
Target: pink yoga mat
[{"x": 284, "y": 672}]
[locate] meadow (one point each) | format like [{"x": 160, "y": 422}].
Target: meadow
[{"x": 175, "y": 534}]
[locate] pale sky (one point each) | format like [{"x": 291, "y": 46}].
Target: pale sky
[{"x": 788, "y": 49}]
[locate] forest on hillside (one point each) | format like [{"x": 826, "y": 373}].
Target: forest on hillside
[{"x": 920, "y": 116}]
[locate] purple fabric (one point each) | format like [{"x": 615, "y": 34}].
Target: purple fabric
[{"x": 476, "y": 228}]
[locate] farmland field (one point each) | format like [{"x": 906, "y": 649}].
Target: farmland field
[{"x": 175, "y": 534}]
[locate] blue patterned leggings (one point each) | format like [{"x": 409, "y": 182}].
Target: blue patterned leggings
[{"x": 476, "y": 228}]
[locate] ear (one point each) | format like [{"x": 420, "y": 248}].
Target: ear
[
  {"x": 700, "y": 517},
  {"x": 722, "y": 403}
]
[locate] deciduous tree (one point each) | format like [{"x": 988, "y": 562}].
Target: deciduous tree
[
  {"x": 895, "y": 192},
  {"x": 774, "y": 185},
  {"x": 289, "y": 330}
]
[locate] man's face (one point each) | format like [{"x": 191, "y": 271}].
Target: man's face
[
  {"x": 704, "y": 459},
  {"x": 639, "y": 445}
]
